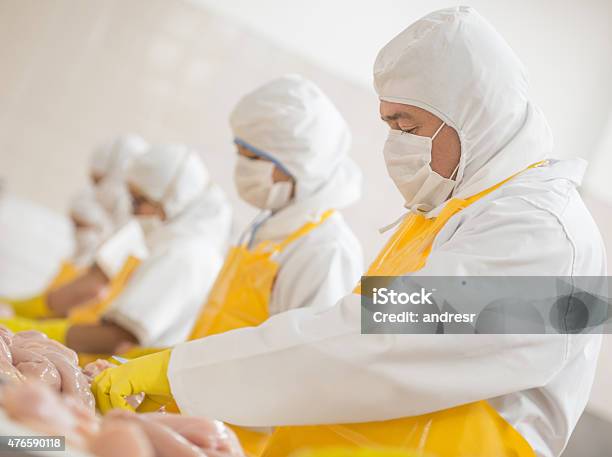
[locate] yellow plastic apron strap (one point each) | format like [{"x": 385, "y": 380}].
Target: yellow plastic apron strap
[
  {"x": 472, "y": 430},
  {"x": 67, "y": 272},
  {"x": 240, "y": 296},
  {"x": 90, "y": 313}
]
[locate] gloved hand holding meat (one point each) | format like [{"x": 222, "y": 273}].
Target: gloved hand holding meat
[{"x": 44, "y": 389}]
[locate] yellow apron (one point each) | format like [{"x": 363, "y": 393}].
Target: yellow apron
[
  {"x": 471, "y": 430},
  {"x": 241, "y": 293},
  {"x": 90, "y": 313},
  {"x": 67, "y": 272},
  {"x": 240, "y": 297}
]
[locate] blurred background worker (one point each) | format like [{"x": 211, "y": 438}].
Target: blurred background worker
[
  {"x": 108, "y": 165},
  {"x": 92, "y": 224},
  {"x": 293, "y": 165},
  {"x": 98, "y": 210},
  {"x": 186, "y": 221},
  {"x": 467, "y": 150}
]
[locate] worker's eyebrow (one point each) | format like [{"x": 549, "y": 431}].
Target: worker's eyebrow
[{"x": 396, "y": 116}]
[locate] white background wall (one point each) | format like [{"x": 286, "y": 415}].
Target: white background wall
[{"x": 75, "y": 73}]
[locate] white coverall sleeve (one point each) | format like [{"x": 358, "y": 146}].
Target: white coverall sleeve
[
  {"x": 311, "y": 366},
  {"x": 160, "y": 301},
  {"x": 320, "y": 280}
]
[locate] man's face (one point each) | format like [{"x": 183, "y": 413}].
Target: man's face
[
  {"x": 446, "y": 148},
  {"x": 143, "y": 206}
]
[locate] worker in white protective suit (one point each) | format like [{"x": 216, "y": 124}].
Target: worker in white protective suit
[
  {"x": 92, "y": 224},
  {"x": 185, "y": 219},
  {"x": 108, "y": 165},
  {"x": 293, "y": 165},
  {"x": 483, "y": 201},
  {"x": 96, "y": 212}
]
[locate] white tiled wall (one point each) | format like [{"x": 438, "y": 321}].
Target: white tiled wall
[{"x": 74, "y": 73}]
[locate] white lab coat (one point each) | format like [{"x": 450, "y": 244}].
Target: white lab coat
[
  {"x": 313, "y": 366},
  {"x": 161, "y": 301}
]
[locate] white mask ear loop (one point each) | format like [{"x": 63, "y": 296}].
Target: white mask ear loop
[
  {"x": 438, "y": 131},
  {"x": 454, "y": 173}
]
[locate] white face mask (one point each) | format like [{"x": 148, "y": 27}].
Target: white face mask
[
  {"x": 408, "y": 160},
  {"x": 254, "y": 183},
  {"x": 149, "y": 223}
]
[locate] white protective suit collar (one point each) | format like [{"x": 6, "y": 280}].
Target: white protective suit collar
[{"x": 469, "y": 77}]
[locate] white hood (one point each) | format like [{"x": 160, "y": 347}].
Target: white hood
[
  {"x": 454, "y": 64},
  {"x": 111, "y": 159},
  {"x": 292, "y": 122}
]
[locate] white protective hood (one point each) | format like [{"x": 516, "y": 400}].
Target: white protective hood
[
  {"x": 292, "y": 122},
  {"x": 454, "y": 64},
  {"x": 86, "y": 209},
  {"x": 110, "y": 161},
  {"x": 176, "y": 177},
  {"x": 114, "y": 157}
]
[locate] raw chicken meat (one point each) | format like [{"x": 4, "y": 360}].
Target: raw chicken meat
[
  {"x": 37, "y": 406},
  {"x": 120, "y": 432},
  {"x": 41, "y": 369},
  {"x": 167, "y": 442},
  {"x": 30, "y": 335},
  {"x": 37, "y": 357},
  {"x": 6, "y": 335},
  {"x": 204, "y": 433},
  {"x": 74, "y": 381},
  {"x": 38, "y": 341},
  {"x": 121, "y": 437},
  {"x": 35, "y": 367},
  {"x": 7, "y": 371}
]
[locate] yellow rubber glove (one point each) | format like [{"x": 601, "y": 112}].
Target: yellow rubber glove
[
  {"x": 147, "y": 374},
  {"x": 33, "y": 308},
  {"x": 139, "y": 351},
  {"x": 55, "y": 329}
]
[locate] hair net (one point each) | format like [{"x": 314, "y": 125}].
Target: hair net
[
  {"x": 453, "y": 64},
  {"x": 113, "y": 158},
  {"x": 172, "y": 175},
  {"x": 292, "y": 122}
]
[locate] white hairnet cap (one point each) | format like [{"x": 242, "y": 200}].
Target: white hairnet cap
[
  {"x": 454, "y": 64},
  {"x": 291, "y": 121},
  {"x": 113, "y": 158},
  {"x": 172, "y": 175}
]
